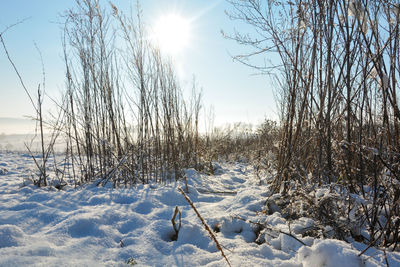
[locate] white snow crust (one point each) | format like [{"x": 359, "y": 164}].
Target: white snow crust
[{"x": 102, "y": 226}]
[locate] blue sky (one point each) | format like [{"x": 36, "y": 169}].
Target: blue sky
[{"x": 229, "y": 87}]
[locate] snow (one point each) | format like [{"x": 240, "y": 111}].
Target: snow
[
  {"x": 330, "y": 253},
  {"x": 102, "y": 226}
]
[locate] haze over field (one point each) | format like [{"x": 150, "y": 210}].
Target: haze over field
[{"x": 14, "y": 126}]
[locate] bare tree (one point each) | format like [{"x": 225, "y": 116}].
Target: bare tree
[{"x": 126, "y": 118}]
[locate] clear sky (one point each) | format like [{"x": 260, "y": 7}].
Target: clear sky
[{"x": 235, "y": 94}]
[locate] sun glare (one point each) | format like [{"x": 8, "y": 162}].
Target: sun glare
[{"x": 172, "y": 33}]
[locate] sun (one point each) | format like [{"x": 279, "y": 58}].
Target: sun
[{"x": 172, "y": 33}]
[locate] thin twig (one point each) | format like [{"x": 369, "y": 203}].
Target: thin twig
[
  {"x": 12, "y": 25},
  {"x": 371, "y": 244},
  {"x": 219, "y": 247},
  {"x": 386, "y": 259},
  {"x": 17, "y": 72},
  {"x": 271, "y": 229},
  {"x": 203, "y": 191}
]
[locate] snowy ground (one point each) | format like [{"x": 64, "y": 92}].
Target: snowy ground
[{"x": 101, "y": 226}]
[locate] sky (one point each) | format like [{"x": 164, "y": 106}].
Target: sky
[{"x": 233, "y": 91}]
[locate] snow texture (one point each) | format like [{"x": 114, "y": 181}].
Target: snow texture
[{"x": 102, "y": 226}]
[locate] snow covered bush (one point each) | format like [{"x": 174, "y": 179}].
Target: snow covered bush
[
  {"x": 122, "y": 116},
  {"x": 337, "y": 83}
]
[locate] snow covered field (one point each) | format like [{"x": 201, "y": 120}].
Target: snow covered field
[{"x": 101, "y": 226}]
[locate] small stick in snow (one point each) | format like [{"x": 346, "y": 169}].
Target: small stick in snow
[
  {"x": 186, "y": 185},
  {"x": 386, "y": 259},
  {"x": 177, "y": 211},
  {"x": 219, "y": 247},
  {"x": 203, "y": 191}
]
